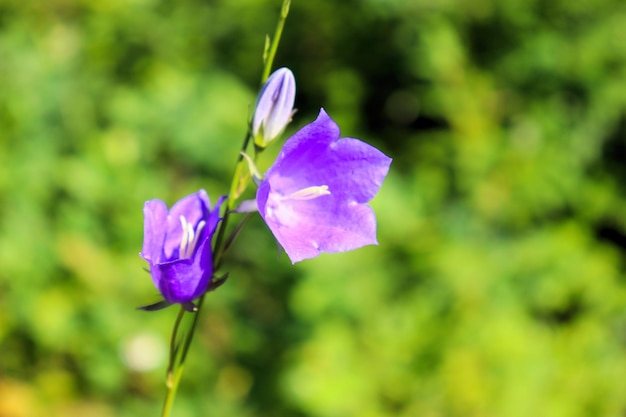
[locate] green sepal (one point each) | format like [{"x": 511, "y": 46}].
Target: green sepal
[
  {"x": 217, "y": 282},
  {"x": 159, "y": 305}
]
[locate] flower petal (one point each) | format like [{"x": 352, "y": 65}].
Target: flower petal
[
  {"x": 183, "y": 280},
  {"x": 351, "y": 168},
  {"x": 214, "y": 214},
  {"x": 155, "y": 217},
  {"x": 304, "y": 228},
  {"x": 305, "y": 145}
]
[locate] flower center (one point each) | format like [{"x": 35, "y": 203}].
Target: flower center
[
  {"x": 279, "y": 208},
  {"x": 190, "y": 237},
  {"x": 309, "y": 193}
]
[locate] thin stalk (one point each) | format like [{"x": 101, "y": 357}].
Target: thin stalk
[
  {"x": 171, "y": 392},
  {"x": 271, "y": 53},
  {"x": 230, "y": 202},
  {"x": 172, "y": 379},
  {"x": 235, "y": 233},
  {"x": 238, "y": 184}
]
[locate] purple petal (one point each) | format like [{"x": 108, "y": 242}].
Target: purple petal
[
  {"x": 155, "y": 217},
  {"x": 214, "y": 214},
  {"x": 246, "y": 206},
  {"x": 352, "y": 170},
  {"x": 314, "y": 156},
  {"x": 305, "y": 145},
  {"x": 183, "y": 280},
  {"x": 304, "y": 228}
]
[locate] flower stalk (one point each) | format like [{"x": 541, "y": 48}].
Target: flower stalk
[
  {"x": 239, "y": 182},
  {"x": 270, "y": 53}
]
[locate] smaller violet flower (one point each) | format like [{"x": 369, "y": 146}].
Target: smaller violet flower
[
  {"x": 314, "y": 197},
  {"x": 177, "y": 245},
  {"x": 274, "y": 107}
]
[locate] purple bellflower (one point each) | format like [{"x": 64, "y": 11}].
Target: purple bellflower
[
  {"x": 177, "y": 245},
  {"x": 274, "y": 107},
  {"x": 314, "y": 197}
]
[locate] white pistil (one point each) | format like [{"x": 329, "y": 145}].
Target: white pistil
[
  {"x": 309, "y": 193},
  {"x": 189, "y": 240}
]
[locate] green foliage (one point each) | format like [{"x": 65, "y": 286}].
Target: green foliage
[{"x": 498, "y": 288}]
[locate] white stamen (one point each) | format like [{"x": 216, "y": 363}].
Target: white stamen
[
  {"x": 184, "y": 238},
  {"x": 193, "y": 239},
  {"x": 189, "y": 239},
  {"x": 309, "y": 193}
]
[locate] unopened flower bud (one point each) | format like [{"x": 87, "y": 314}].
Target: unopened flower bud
[{"x": 274, "y": 107}]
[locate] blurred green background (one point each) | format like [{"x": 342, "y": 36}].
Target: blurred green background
[{"x": 498, "y": 288}]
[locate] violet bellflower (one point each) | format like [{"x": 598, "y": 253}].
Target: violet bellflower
[
  {"x": 314, "y": 197},
  {"x": 274, "y": 107},
  {"x": 177, "y": 245}
]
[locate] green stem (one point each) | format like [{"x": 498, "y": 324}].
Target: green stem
[
  {"x": 238, "y": 184},
  {"x": 230, "y": 203},
  {"x": 172, "y": 379},
  {"x": 171, "y": 391},
  {"x": 269, "y": 59},
  {"x": 189, "y": 337}
]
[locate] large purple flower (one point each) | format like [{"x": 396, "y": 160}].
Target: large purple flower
[
  {"x": 314, "y": 197},
  {"x": 177, "y": 245}
]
